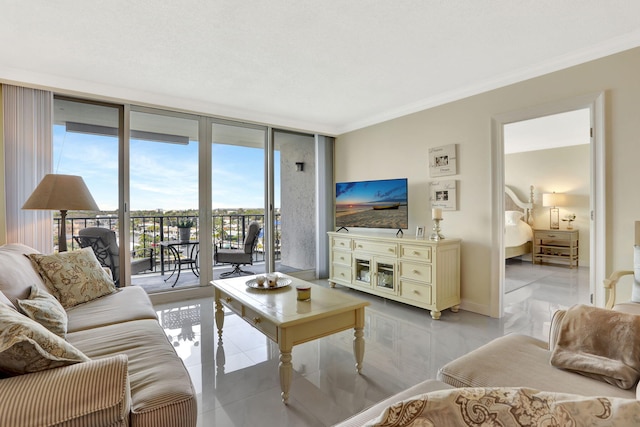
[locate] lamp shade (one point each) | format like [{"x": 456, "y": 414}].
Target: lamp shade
[
  {"x": 61, "y": 192},
  {"x": 553, "y": 199}
]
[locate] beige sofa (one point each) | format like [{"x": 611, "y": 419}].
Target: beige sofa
[
  {"x": 133, "y": 378},
  {"x": 512, "y": 361}
]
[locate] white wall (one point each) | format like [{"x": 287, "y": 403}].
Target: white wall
[
  {"x": 563, "y": 170},
  {"x": 3, "y": 197},
  {"x": 399, "y": 148},
  {"x": 298, "y": 196}
]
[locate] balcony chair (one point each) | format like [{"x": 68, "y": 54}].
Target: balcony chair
[
  {"x": 612, "y": 281},
  {"x": 238, "y": 257},
  {"x": 104, "y": 245}
]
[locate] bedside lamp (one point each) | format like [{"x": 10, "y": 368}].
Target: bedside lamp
[
  {"x": 63, "y": 193},
  {"x": 553, "y": 200}
]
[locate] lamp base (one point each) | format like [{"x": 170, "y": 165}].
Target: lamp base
[
  {"x": 62, "y": 232},
  {"x": 436, "y": 236},
  {"x": 554, "y": 218}
]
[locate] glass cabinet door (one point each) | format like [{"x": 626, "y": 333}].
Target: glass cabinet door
[
  {"x": 385, "y": 275},
  {"x": 362, "y": 270}
]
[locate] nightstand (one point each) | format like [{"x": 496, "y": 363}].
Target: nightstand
[{"x": 555, "y": 246}]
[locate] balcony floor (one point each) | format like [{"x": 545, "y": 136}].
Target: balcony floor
[{"x": 155, "y": 282}]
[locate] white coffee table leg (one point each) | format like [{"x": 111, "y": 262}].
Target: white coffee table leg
[
  {"x": 286, "y": 371},
  {"x": 358, "y": 339},
  {"x": 219, "y": 319}
]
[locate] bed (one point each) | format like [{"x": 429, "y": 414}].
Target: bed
[{"x": 518, "y": 219}]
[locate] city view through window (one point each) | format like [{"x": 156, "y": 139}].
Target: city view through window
[{"x": 164, "y": 192}]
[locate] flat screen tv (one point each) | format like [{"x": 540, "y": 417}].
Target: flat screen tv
[{"x": 372, "y": 204}]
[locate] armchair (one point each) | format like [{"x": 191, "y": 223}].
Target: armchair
[
  {"x": 238, "y": 257},
  {"x": 611, "y": 282},
  {"x": 105, "y": 246}
]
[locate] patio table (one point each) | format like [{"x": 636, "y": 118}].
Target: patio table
[{"x": 174, "y": 250}]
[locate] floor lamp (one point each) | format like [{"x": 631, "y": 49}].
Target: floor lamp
[{"x": 63, "y": 193}]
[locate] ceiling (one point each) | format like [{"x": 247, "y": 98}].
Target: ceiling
[{"x": 321, "y": 66}]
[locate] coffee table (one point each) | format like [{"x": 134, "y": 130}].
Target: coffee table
[{"x": 281, "y": 317}]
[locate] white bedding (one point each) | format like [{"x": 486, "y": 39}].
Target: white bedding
[{"x": 517, "y": 234}]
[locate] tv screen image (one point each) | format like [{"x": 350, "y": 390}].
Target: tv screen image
[{"x": 372, "y": 204}]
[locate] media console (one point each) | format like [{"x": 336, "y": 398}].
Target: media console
[{"x": 418, "y": 272}]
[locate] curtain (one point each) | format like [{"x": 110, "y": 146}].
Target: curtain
[
  {"x": 28, "y": 147},
  {"x": 324, "y": 201}
]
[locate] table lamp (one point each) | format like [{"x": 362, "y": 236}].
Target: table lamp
[
  {"x": 553, "y": 200},
  {"x": 63, "y": 193}
]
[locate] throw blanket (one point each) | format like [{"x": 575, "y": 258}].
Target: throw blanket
[
  {"x": 508, "y": 407},
  {"x": 601, "y": 344}
]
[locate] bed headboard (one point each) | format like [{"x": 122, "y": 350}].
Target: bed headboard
[{"x": 513, "y": 203}]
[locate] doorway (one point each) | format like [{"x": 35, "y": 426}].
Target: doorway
[
  {"x": 543, "y": 156},
  {"x": 594, "y": 103}
]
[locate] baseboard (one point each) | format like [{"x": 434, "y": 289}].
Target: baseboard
[
  {"x": 303, "y": 274},
  {"x": 475, "y": 307}
]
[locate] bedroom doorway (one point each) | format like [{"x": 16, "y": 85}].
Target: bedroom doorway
[
  {"x": 542, "y": 156},
  {"x": 575, "y": 170}
]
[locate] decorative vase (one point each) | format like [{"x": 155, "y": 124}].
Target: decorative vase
[{"x": 184, "y": 234}]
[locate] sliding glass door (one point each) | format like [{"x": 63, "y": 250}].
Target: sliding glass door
[
  {"x": 237, "y": 194},
  {"x": 164, "y": 199},
  {"x": 86, "y": 143}
]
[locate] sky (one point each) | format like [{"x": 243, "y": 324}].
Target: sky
[{"x": 163, "y": 175}]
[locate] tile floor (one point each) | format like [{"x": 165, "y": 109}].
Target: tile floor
[{"x": 238, "y": 385}]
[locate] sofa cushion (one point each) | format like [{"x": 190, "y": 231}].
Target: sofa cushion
[
  {"x": 74, "y": 277},
  {"x": 599, "y": 343},
  {"x": 16, "y": 272},
  {"x": 161, "y": 389},
  {"x": 129, "y": 303},
  {"x": 6, "y": 301},
  {"x": 27, "y": 346},
  {"x": 45, "y": 309},
  {"x": 508, "y": 406},
  {"x": 521, "y": 361},
  {"x": 374, "y": 411},
  {"x": 627, "y": 307}
]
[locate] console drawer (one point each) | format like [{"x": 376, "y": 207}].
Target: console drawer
[
  {"x": 341, "y": 272},
  {"x": 375, "y": 247},
  {"x": 415, "y": 292},
  {"x": 342, "y": 258},
  {"x": 341, "y": 243},
  {"x": 415, "y": 271},
  {"x": 260, "y": 323},
  {"x": 415, "y": 253}
]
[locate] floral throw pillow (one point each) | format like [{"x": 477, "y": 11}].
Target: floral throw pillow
[
  {"x": 75, "y": 277},
  {"x": 45, "y": 309},
  {"x": 27, "y": 346}
]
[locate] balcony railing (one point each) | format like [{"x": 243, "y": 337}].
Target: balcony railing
[{"x": 229, "y": 230}]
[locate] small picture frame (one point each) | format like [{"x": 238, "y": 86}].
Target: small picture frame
[
  {"x": 443, "y": 161},
  {"x": 444, "y": 195},
  {"x": 420, "y": 232}
]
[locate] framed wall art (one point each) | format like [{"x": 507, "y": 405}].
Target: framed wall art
[
  {"x": 444, "y": 195},
  {"x": 443, "y": 161}
]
